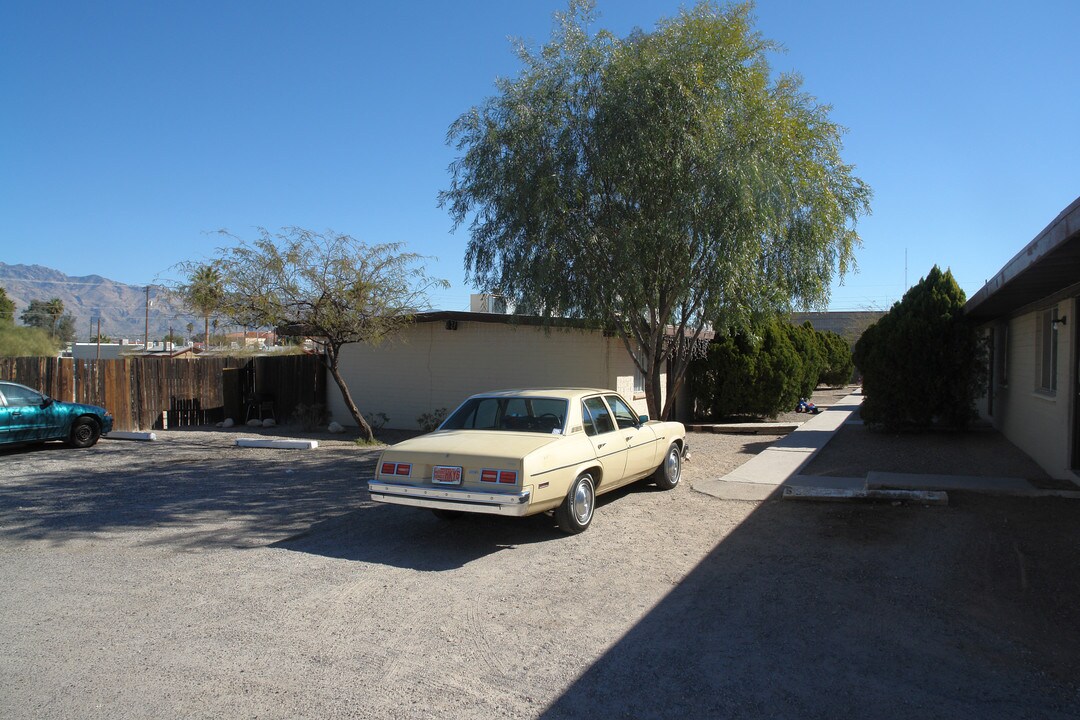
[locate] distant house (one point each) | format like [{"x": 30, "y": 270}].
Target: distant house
[
  {"x": 251, "y": 339},
  {"x": 1029, "y": 313},
  {"x": 122, "y": 349},
  {"x": 446, "y": 356}
]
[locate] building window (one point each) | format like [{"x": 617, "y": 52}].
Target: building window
[
  {"x": 639, "y": 377},
  {"x": 1046, "y": 351}
]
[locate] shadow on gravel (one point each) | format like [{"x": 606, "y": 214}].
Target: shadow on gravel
[
  {"x": 189, "y": 496},
  {"x": 876, "y": 611},
  {"x": 414, "y": 539}
]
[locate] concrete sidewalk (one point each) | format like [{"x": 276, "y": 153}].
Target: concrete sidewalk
[{"x": 777, "y": 467}]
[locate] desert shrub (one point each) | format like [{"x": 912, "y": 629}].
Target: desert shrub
[
  {"x": 839, "y": 365},
  {"x": 310, "y": 417},
  {"x": 923, "y": 362},
  {"x": 377, "y": 421},
  {"x": 747, "y": 374},
  {"x": 429, "y": 421},
  {"x": 18, "y": 341}
]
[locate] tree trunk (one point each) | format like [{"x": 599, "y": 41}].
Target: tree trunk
[
  {"x": 331, "y": 360},
  {"x": 206, "y": 333},
  {"x": 654, "y": 392}
]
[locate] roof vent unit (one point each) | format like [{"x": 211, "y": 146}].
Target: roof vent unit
[{"x": 487, "y": 303}]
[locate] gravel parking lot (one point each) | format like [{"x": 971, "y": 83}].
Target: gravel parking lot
[{"x": 188, "y": 577}]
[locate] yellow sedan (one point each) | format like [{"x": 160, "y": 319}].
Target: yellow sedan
[{"x": 523, "y": 452}]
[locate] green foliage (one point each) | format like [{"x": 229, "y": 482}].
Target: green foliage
[
  {"x": 16, "y": 341},
  {"x": 49, "y": 316},
  {"x": 746, "y": 375},
  {"x": 839, "y": 365},
  {"x": 430, "y": 421},
  {"x": 323, "y": 285},
  {"x": 7, "y": 308},
  {"x": 204, "y": 292},
  {"x": 809, "y": 346},
  {"x": 923, "y": 362},
  {"x": 668, "y": 179}
]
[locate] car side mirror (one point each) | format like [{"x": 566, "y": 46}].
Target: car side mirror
[
  {"x": 642, "y": 419},
  {"x": 47, "y": 401}
]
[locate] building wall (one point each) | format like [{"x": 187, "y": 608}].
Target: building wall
[
  {"x": 429, "y": 367},
  {"x": 1039, "y": 424}
]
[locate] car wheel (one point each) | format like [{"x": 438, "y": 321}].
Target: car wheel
[
  {"x": 446, "y": 514},
  {"x": 84, "y": 432},
  {"x": 576, "y": 511},
  {"x": 669, "y": 473}
]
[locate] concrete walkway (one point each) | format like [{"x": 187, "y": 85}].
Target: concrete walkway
[{"x": 777, "y": 468}]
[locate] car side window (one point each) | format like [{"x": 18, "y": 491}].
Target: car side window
[
  {"x": 601, "y": 416},
  {"x": 587, "y": 421},
  {"x": 625, "y": 417},
  {"x": 21, "y": 397}
]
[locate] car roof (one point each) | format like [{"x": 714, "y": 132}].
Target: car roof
[{"x": 545, "y": 392}]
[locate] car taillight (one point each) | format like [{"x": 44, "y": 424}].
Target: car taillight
[
  {"x": 508, "y": 477},
  {"x": 389, "y": 468}
]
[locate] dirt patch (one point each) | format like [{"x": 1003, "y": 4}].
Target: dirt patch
[{"x": 191, "y": 578}]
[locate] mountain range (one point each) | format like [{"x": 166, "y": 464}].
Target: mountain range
[{"x": 123, "y": 308}]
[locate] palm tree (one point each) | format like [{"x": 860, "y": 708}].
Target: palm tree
[{"x": 204, "y": 294}]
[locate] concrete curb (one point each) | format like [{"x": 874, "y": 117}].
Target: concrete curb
[
  {"x": 124, "y": 435},
  {"x": 776, "y": 428},
  {"x": 278, "y": 444},
  {"x": 825, "y": 494}
]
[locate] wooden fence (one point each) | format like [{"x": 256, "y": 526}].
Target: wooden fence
[{"x": 144, "y": 393}]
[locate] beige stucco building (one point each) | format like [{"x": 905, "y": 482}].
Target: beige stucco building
[
  {"x": 1029, "y": 313},
  {"x": 447, "y": 356}
]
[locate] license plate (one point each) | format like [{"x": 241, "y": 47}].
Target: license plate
[{"x": 446, "y": 475}]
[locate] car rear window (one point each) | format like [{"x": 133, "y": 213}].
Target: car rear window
[{"x": 515, "y": 414}]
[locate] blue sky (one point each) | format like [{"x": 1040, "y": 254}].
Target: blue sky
[{"x": 131, "y": 130}]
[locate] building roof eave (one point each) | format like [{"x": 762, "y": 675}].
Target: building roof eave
[{"x": 1047, "y": 266}]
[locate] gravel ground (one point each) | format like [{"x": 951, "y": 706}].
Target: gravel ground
[{"x": 191, "y": 578}]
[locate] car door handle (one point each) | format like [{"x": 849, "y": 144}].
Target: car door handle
[{"x": 600, "y": 445}]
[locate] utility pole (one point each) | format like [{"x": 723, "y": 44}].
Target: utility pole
[
  {"x": 99, "y": 338},
  {"x": 146, "y": 337}
]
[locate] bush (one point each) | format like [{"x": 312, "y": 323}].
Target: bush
[
  {"x": 310, "y": 417},
  {"x": 809, "y": 347},
  {"x": 746, "y": 375},
  {"x": 377, "y": 421},
  {"x": 430, "y": 421},
  {"x": 839, "y": 366},
  {"x": 17, "y": 341},
  {"x": 923, "y": 362}
]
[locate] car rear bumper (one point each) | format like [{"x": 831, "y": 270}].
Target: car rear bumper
[{"x": 516, "y": 504}]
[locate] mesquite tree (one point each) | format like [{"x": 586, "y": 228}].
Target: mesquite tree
[
  {"x": 655, "y": 185},
  {"x": 330, "y": 287}
]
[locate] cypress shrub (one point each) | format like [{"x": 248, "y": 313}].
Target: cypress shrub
[
  {"x": 809, "y": 347},
  {"x": 923, "y": 362},
  {"x": 747, "y": 375},
  {"x": 839, "y": 365}
]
